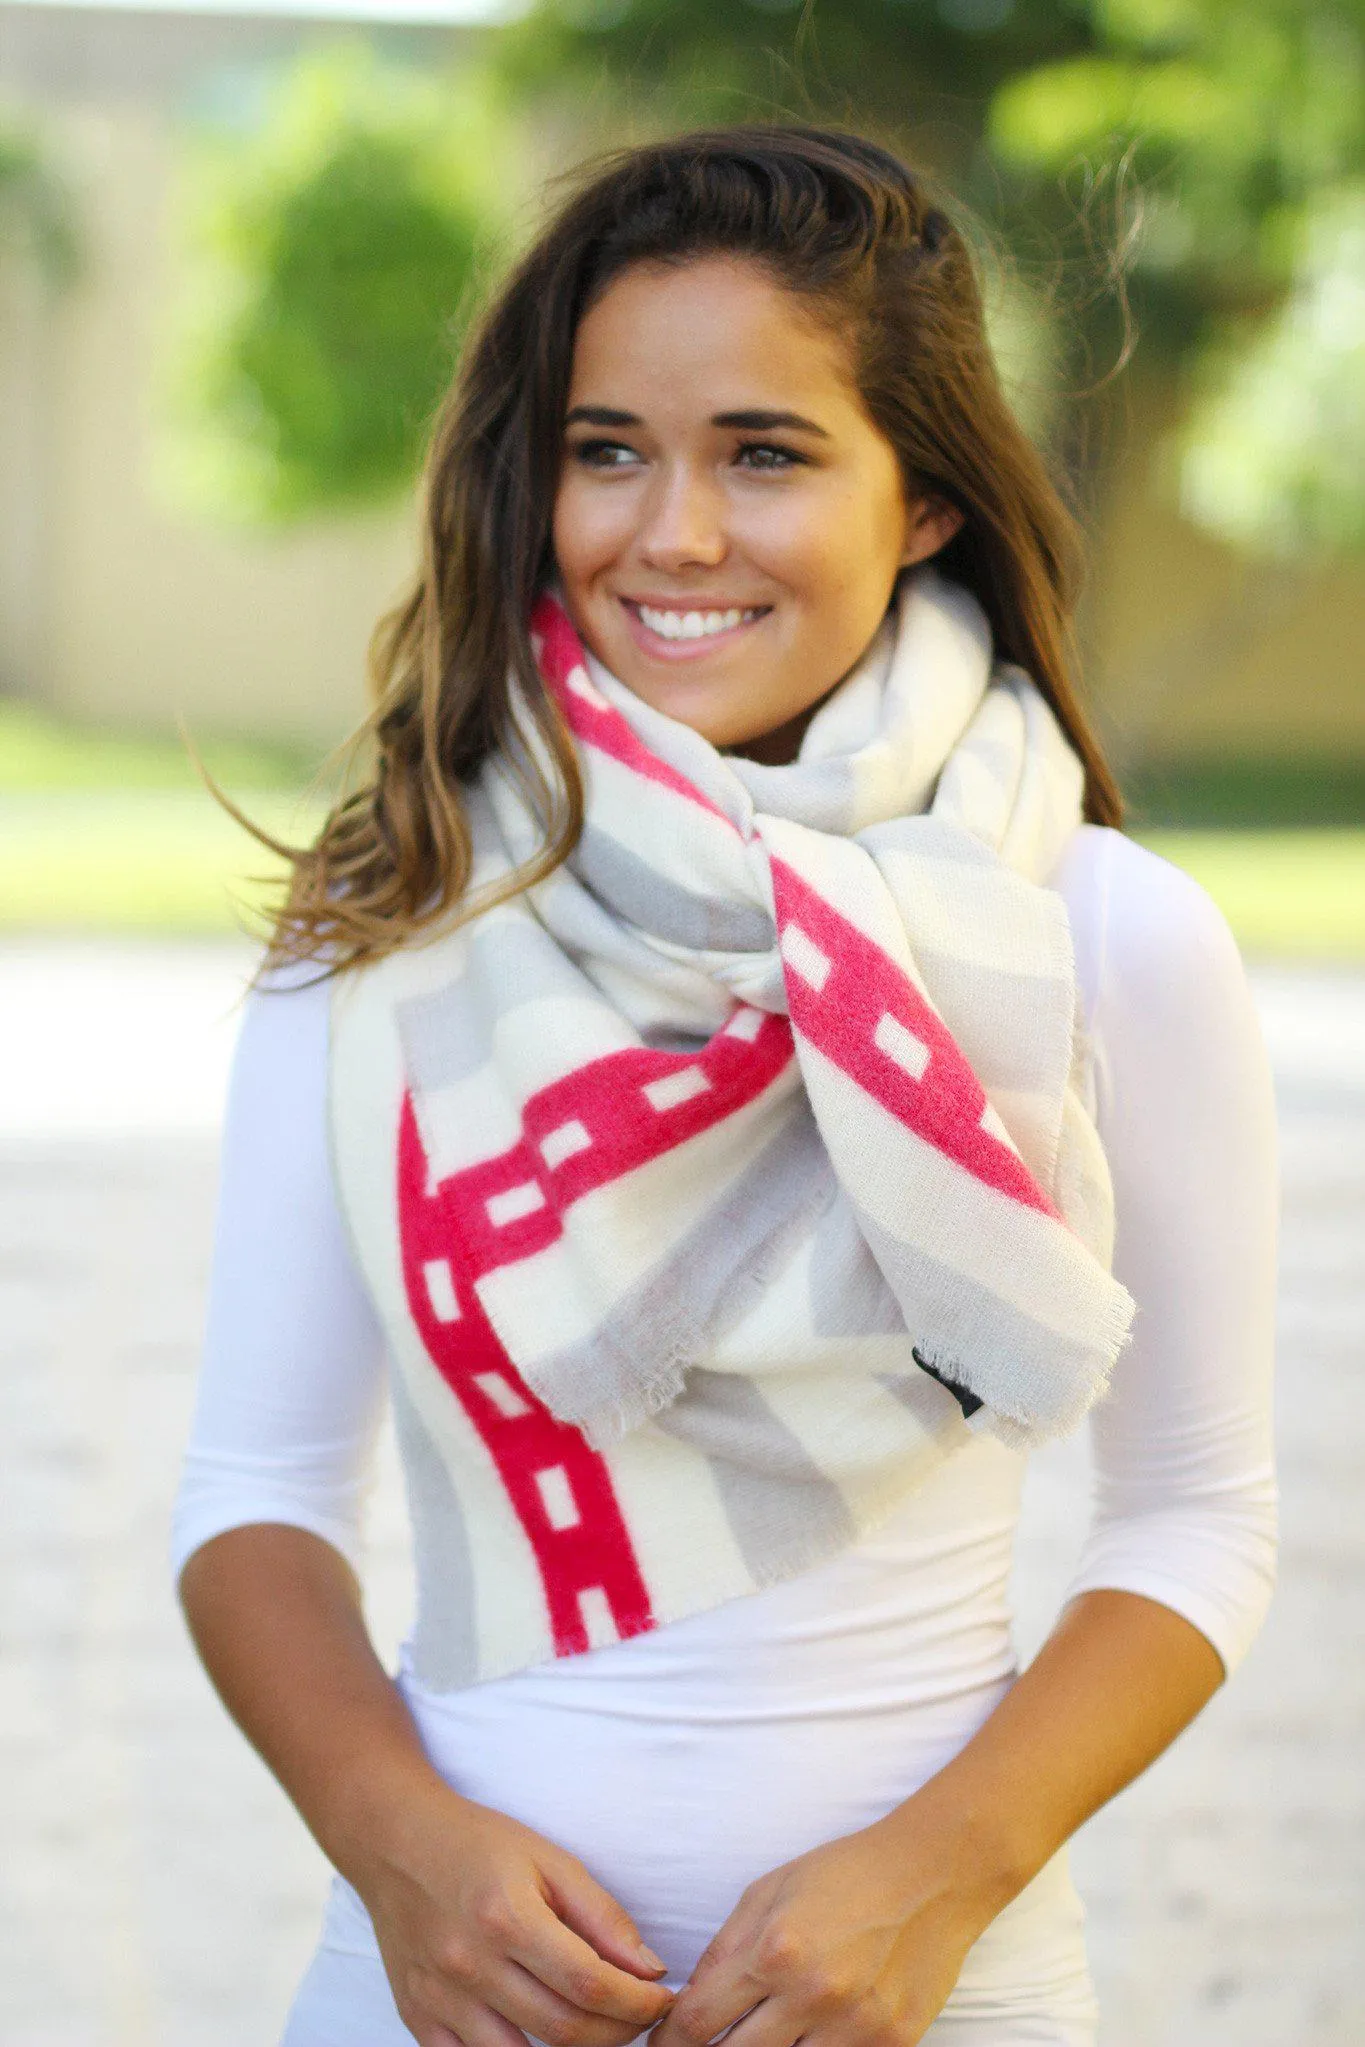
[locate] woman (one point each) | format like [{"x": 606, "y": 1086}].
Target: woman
[{"x": 743, "y": 1072}]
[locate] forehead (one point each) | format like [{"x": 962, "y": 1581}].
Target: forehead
[{"x": 707, "y": 326}]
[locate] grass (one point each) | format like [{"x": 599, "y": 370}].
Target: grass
[
  {"x": 114, "y": 833},
  {"x": 1247, "y": 792},
  {"x": 44, "y": 755},
  {"x": 162, "y": 860},
  {"x": 1287, "y": 894},
  {"x": 113, "y": 830}
]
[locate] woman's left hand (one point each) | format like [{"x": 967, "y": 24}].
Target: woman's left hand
[{"x": 855, "y": 1944}]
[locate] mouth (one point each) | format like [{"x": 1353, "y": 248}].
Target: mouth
[{"x": 678, "y": 633}]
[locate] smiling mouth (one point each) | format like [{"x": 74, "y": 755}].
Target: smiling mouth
[{"x": 676, "y": 626}]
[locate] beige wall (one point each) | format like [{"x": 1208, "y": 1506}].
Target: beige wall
[
  {"x": 1196, "y": 649},
  {"x": 115, "y": 607},
  {"x": 147, "y": 612}
]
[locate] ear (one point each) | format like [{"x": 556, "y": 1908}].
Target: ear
[{"x": 933, "y": 522}]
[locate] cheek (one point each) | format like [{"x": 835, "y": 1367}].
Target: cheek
[
  {"x": 837, "y": 542},
  {"x": 588, "y": 529}
]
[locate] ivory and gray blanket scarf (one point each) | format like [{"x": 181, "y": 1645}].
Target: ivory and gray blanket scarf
[{"x": 732, "y": 1175}]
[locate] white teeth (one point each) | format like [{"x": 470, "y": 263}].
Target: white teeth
[{"x": 693, "y": 625}]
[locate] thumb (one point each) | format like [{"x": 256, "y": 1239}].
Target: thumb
[{"x": 591, "y": 1911}]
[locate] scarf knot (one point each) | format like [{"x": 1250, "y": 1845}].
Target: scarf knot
[{"x": 779, "y": 1080}]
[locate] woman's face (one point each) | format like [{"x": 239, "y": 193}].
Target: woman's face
[{"x": 729, "y": 522}]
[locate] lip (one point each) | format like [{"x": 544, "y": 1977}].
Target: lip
[{"x": 686, "y": 650}]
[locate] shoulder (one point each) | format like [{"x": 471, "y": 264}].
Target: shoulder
[
  {"x": 284, "y": 1030},
  {"x": 1143, "y": 928},
  {"x": 1172, "y": 1018}
]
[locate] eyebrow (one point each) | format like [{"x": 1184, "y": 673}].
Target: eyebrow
[{"x": 745, "y": 422}]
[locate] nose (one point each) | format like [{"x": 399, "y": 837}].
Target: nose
[{"x": 684, "y": 522}]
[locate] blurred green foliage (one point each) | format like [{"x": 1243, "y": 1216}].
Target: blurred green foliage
[
  {"x": 911, "y": 68},
  {"x": 1274, "y": 449},
  {"x": 336, "y": 248},
  {"x": 36, "y": 218},
  {"x": 1242, "y": 132},
  {"x": 1191, "y": 170},
  {"x": 1238, "y": 792},
  {"x": 1238, "y": 116}
]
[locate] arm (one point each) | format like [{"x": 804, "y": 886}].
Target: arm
[
  {"x": 1178, "y": 1568},
  {"x": 276, "y": 1615},
  {"x": 484, "y": 1927},
  {"x": 872, "y": 1930}
]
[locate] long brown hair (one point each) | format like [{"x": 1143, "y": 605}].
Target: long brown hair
[{"x": 847, "y": 226}]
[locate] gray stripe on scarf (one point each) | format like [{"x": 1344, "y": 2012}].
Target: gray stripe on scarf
[
  {"x": 645, "y": 897},
  {"x": 448, "y": 1034},
  {"x": 973, "y": 1000},
  {"x": 779, "y": 1503},
  {"x": 663, "y": 1038},
  {"x": 1052, "y": 1364},
  {"x": 928, "y": 837},
  {"x": 848, "y": 1294},
  {"x": 444, "y": 1640},
  {"x": 706, "y": 1283},
  {"x": 822, "y": 795}
]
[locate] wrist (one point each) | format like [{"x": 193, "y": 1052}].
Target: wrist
[
  {"x": 378, "y": 1813},
  {"x": 987, "y": 1848}
]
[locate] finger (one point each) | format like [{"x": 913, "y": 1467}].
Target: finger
[
  {"x": 566, "y": 1965},
  {"x": 722, "y": 1987},
  {"x": 449, "y": 2015},
  {"x": 521, "y": 1997},
  {"x": 565, "y": 1962},
  {"x": 697, "y": 2036},
  {"x": 772, "y": 2022},
  {"x": 588, "y": 1909},
  {"x": 703, "y": 2009}
]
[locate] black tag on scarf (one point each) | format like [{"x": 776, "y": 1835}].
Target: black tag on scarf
[{"x": 965, "y": 1399}]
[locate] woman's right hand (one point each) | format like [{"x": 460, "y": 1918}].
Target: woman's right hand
[{"x": 489, "y": 1932}]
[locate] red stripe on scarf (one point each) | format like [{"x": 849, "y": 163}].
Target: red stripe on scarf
[
  {"x": 590, "y": 716},
  {"x": 863, "y": 995},
  {"x": 623, "y": 1128},
  {"x": 593, "y": 1556}
]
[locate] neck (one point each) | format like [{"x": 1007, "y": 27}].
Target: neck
[{"x": 779, "y": 748}]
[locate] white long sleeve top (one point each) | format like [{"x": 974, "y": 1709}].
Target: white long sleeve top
[
  {"x": 293, "y": 1376},
  {"x": 815, "y": 1704}
]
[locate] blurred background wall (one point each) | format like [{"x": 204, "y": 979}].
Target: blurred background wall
[{"x": 112, "y": 606}]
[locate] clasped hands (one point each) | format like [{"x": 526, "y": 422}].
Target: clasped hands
[{"x": 856, "y": 1943}]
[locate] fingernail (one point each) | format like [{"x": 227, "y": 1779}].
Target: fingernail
[{"x": 649, "y": 1958}]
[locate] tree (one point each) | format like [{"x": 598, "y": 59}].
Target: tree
[
  {"x": 915, "y": 69},
  {"x": 1198, "y": 163},
  {"x": 1245, "y": 131},
  {"x": 35, "y": 214},
  {"x": 334, "y": 253}
]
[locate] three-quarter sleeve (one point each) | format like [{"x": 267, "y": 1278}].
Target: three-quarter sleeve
[
  {"x": 1185, "y": 1496},
  {"x": 292, "y": 1377}
]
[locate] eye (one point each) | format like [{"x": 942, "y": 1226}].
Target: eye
[
  {"x": 768, "y": 455},
  {"x": 603, "y": 454}
]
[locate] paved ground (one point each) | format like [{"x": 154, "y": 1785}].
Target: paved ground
[{"x": 155, "y": 1890}]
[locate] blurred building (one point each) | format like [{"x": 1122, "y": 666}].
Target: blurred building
[{"x": 116, "y": 607}]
